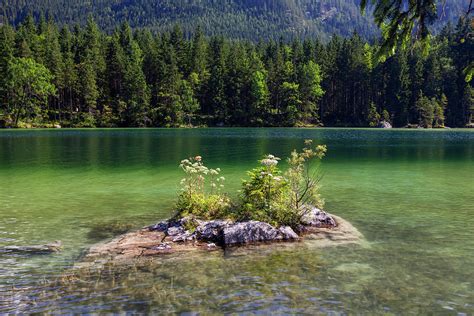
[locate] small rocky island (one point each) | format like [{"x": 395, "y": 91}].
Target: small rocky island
[
  {"x": 274, "y": 207},
  {"x": 169, "y": 237}
]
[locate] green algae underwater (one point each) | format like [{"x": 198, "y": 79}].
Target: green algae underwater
[{"x": 410, "y": 192}]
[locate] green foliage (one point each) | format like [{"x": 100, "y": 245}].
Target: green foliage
[
  {"x": 276, "y": 197},
  {"x": 311, "y": 91},
  {"x": 386, "y": 116},
  {"x": 269, "y": 195},
  {"x": 201, "y": 191},
  {"x": 303, "y": 176},
  {"x": 425, "y": 108},
  {"x": 373, "y": 117},
  {"x": 291, "y": 102},
  {"x": 438, "y": 112},
  {"x": 29, "y": 86},
  {"x": 265, "y": 195},
  {"x": 259, "y": 98},
  {"x": 174, "y": 79}
]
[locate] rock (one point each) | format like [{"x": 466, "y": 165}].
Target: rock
[
  {"x": 211, "y": 245},
  {"x": 212, "y": 230},
  {"x": 249, "y": 232},
  {"x": 38, "y": 249},
  {"x": 175, "y": 231},
  {"x": 159, "y": 227},
  {"x": 185, "y": 236},
  {"x": 57, "y": 126},
  {"x": 162, "y": 246},
  {"x": 144, "y": 245},
  {"x": 312, "y": 216},
  {"x": 287, "y": 233},
  {"x": 384, "y": 124},
  {"x": 344, "y": 233}
]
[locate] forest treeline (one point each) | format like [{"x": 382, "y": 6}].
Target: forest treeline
[
  {"x": 83, "y": 77},
  {"x": 234, "y": 19}
]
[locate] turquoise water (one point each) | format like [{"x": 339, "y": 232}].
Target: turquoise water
[{"x": 410, "y": 192}]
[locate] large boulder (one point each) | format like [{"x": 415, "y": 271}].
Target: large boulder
[
  {"x": 212, "y": 230},
  {"x": 314, "y": 217},
  {"x": 254, "y": 231}
]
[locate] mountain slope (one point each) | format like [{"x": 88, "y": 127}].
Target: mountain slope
[{"x": 249, "y": 19}]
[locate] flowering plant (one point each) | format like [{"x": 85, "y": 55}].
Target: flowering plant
[
  {"x": 275, "y": 197},
  {"x": 264, "y": 195},
  {"x": 304, "y": 176},
  {"x": 269, "y": 195},
  {"x": 201, "y": 190}
]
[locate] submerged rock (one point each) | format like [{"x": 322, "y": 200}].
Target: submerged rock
[{"x": 37, "y": 249}]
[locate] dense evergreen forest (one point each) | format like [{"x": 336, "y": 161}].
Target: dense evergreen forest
[
  {"x": 84, "y": 77},
  {"x": 233, "y": 19}
]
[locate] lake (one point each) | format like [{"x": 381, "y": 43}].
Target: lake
[{"x": 410, "y": 192}]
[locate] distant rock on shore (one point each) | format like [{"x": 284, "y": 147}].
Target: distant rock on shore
[{"x": 384, "y": 124}]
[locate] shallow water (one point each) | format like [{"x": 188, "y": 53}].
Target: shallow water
[{"x": 411, "y": 193}]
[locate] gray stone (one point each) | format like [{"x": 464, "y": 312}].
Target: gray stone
[
  {"x": 384, "y": 124},
  {"x": 212, "y": 230},
  {"x": 175, "y": 231},
  {"x": 162, "y": 246},
  {"x": 312, "y": 216},
  {"x": 185, "y": 236},
  {"x": 248, "y": 232},
  {"x": 287, "y": 233},
  {"x": 159, "y": 227}
]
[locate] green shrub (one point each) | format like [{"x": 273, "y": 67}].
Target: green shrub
[
  {"x": 303, "y": 176},
  {"x": 277, "y": 198},
  {"x": 265, "y": 195},
  {"x": 201, "y": 191},
  {"x": 269, "y": 195}
]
